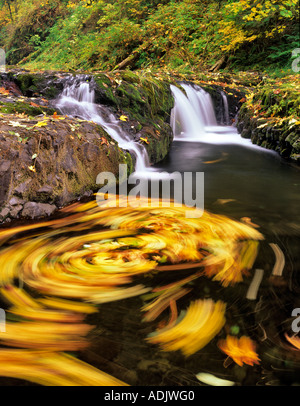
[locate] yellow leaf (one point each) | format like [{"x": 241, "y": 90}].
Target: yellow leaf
[
  {"x": 41, "y": 124},
  {"x": 144, "y": 140},
  {"x": 32, "y": 168},
  {"x": 123, "y": 118}
]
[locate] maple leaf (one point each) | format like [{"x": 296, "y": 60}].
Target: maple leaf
[
  {"x": 32, "y": 168},
  {"x": 4, "y": 91},
  {"x": 123, "y": 118},
  {"x": 104, "y": 141},
  {"x": 34, "y": 104}
]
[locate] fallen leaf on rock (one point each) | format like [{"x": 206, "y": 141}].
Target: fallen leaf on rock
[
  {"x": 4, "y": 91},
  {"x": 41, "y": 123},
  {"x": 144, "y": 140},
  {"x": 16, "y": 124},
  {"x": 104, "y": 141}
]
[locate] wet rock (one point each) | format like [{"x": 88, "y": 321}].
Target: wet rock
[
  {"x": 5, "y": 175},
  {"x": 14, "y": 212},
  {"x": 246, "y": 133},
  {"x": 15, "y": 201},
  {"x": 23, "y": 188},
  {"x": 45, "y": 194},
  {"x": 46, "y": 189},
  {"x": 54, "y": 162},
  {"x": 4, "y": 167},
  {"x": 4, "y": 213},
  {"x": 69, "y": 163},
  {"x": 90, "y": 151},
  {"x": 35, "y": 210}
]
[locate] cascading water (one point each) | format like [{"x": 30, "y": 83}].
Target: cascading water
[
  {"x": 226, "y": 119},
  {"x": 193, "y": 118},
  {"x": 201, "y": 103},
  {"x": 193, "y": 113},
  {"x": 77, "y": 100}
]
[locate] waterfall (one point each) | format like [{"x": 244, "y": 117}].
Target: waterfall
[
  {"x": 193, "y": 118},
  {"x": 77, "y": 100},
  {"x": 193, "y": 112},
  {"x": 201, "y": 103},
  {"x": 226, "y": 118}
]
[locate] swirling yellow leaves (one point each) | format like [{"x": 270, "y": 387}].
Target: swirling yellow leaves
[{"x": 202, "y": 322}]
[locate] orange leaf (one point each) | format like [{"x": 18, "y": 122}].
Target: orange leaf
[
  {"x": 104, "y": 141},
  {"x": 4, "y": 91},
  {"x": 241, "y": 350},
  {"x": 34, "y": 104},
  {"x": 295, "y": 341}
]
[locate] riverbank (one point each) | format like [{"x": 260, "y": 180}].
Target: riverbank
[{"x": 49, "y": 160}]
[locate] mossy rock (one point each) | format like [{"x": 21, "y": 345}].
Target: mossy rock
[
  {"x": 25, "y": 108},
  {"x": 141, "y": 97},
  {"x": 48, "y": 85}
]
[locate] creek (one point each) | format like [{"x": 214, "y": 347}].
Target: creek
[{"x": 243, "y": 182}]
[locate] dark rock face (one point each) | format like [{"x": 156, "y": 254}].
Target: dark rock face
[
  {"x": 35, "y": 210},
  {"x": 218, "y": 95},
  {"x": 146, "y": 102},
  {"x": 47, "y": 168},
  {"x": 5, "y": 174},
  {"x": 282, "y": 138}
]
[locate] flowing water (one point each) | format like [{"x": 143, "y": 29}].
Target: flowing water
[
  {"x": 77, "y": 100},
  {"x": 245, "y": 183}
]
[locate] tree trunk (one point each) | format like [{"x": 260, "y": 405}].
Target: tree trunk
[
  {"x": 8, "y": 5},
  {"x": 218, "y": 65},
  {"x": 132, "y": 57},
  {"x": 128, "y": 61}
]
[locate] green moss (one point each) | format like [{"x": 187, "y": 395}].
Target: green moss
[
  {"x": 22, "y": 107},
  {"x": 28, "y": 82}
]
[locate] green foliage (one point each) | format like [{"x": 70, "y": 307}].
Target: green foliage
[
  {"x": 184, "y": 35},
  {"x": 260, "y": 32}
]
